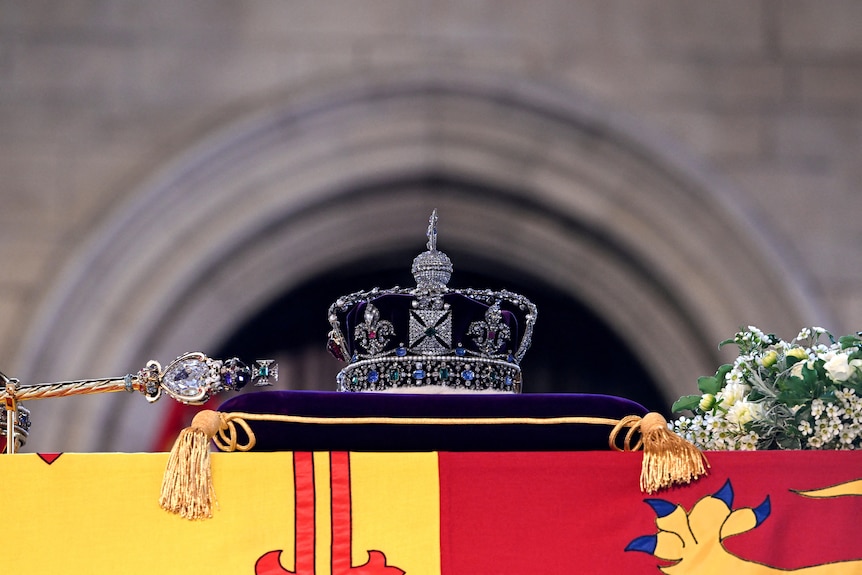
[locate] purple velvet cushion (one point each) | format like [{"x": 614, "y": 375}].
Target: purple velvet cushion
[{"x": 273, "y": 436}]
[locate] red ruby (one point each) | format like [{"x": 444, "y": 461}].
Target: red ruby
[{"x": 335, "y": 349}]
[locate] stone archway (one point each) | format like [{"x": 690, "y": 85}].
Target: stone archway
[{"x": 584, "y": 200}]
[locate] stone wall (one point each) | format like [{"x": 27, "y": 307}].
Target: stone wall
[{"x": 98, "y": 98}]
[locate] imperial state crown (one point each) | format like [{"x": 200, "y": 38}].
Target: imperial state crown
[{"x": 431, "y": 338}]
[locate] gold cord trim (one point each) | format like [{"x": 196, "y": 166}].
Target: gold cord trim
[
  {"x": 226, "y": 439},
  {"x": 187, "y": 488}
]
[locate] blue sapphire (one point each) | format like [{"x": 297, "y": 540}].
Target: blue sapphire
[
  {"x": 400, "y": 352},
  {"x": 460, "y": 350},
  {"x": 509, "y": 381},
  {"x": 419, "y": 374},
  {"x": 373, "y": 376},
  {"x": 468, "y": 375}
]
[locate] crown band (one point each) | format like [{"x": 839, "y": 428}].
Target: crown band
[{"x": 474, "y": 374}]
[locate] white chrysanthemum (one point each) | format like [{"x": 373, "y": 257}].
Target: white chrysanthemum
[
  {"x": 732, "y": 393},
  {"x": 743, "y": 412},
  {"x": 846, "y": 437},
  {"x": 817, "y": 407},
  {"x": 824, "y": 432},
  {"x": 736, "y": 374},
  {"x": 833, "y": 412},
  {"x": 748, "y": 442}
]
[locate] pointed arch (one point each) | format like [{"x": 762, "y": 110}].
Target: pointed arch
[{"x": 585, "y": 199}]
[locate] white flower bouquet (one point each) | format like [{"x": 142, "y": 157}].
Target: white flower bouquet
[{"x": 801, "y": 394}]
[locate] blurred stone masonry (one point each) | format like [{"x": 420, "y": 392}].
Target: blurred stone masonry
[{"x": 98, "y": 98}]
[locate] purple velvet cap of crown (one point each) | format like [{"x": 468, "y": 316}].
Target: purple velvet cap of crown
[{"x": 395, "y": 308}]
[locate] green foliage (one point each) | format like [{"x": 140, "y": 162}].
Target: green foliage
[
  {"x": 800, "y": 394},
  {"x": 686, "y": 402}
]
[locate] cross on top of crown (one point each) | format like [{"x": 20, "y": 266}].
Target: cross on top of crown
[{"x": 432, "y": 231}]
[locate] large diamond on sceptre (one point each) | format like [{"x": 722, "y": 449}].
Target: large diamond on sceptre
[{"x": 191, "y": 378}]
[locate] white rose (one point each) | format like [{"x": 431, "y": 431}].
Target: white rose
[
  {"x": 796, "y": 370},
  {"x": 838, "y": 367}
]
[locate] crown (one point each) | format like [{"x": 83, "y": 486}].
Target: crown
[{"x": 431, "y": 337}]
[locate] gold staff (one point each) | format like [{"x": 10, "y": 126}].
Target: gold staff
[{"x": 192, "y": 378}]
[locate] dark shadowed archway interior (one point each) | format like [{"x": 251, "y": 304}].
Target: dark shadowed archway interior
[{"x": 573, "y": 351}]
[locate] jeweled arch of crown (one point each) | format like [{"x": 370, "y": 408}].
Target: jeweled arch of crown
[{"x": 435, "y": 355}]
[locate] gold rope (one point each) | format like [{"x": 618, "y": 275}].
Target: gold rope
[
  {"x": 226, "y": 439},
  {"x": 187, "y": 486}
]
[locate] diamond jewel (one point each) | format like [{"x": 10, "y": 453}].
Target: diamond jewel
[
  {"x": 186, "y": 378},
  {"x": 430, "y": 330}
]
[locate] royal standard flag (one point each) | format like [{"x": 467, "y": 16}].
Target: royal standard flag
[{"x": 430, "y": 513}]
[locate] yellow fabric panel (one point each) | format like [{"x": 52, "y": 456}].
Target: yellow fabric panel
[
  {"x": 396, "y": 502},
  {"x": 99, "y": 513}
]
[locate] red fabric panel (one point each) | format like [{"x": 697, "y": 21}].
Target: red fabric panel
[
  {"x": 559, "y": 513},
  {"x": 800, "y": 531},
  {"x": 341, "y": 520}
]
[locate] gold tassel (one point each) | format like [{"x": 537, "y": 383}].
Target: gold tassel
[
  {"x": 668, "y": 458},
  {"x": 187, "y": 487}
]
